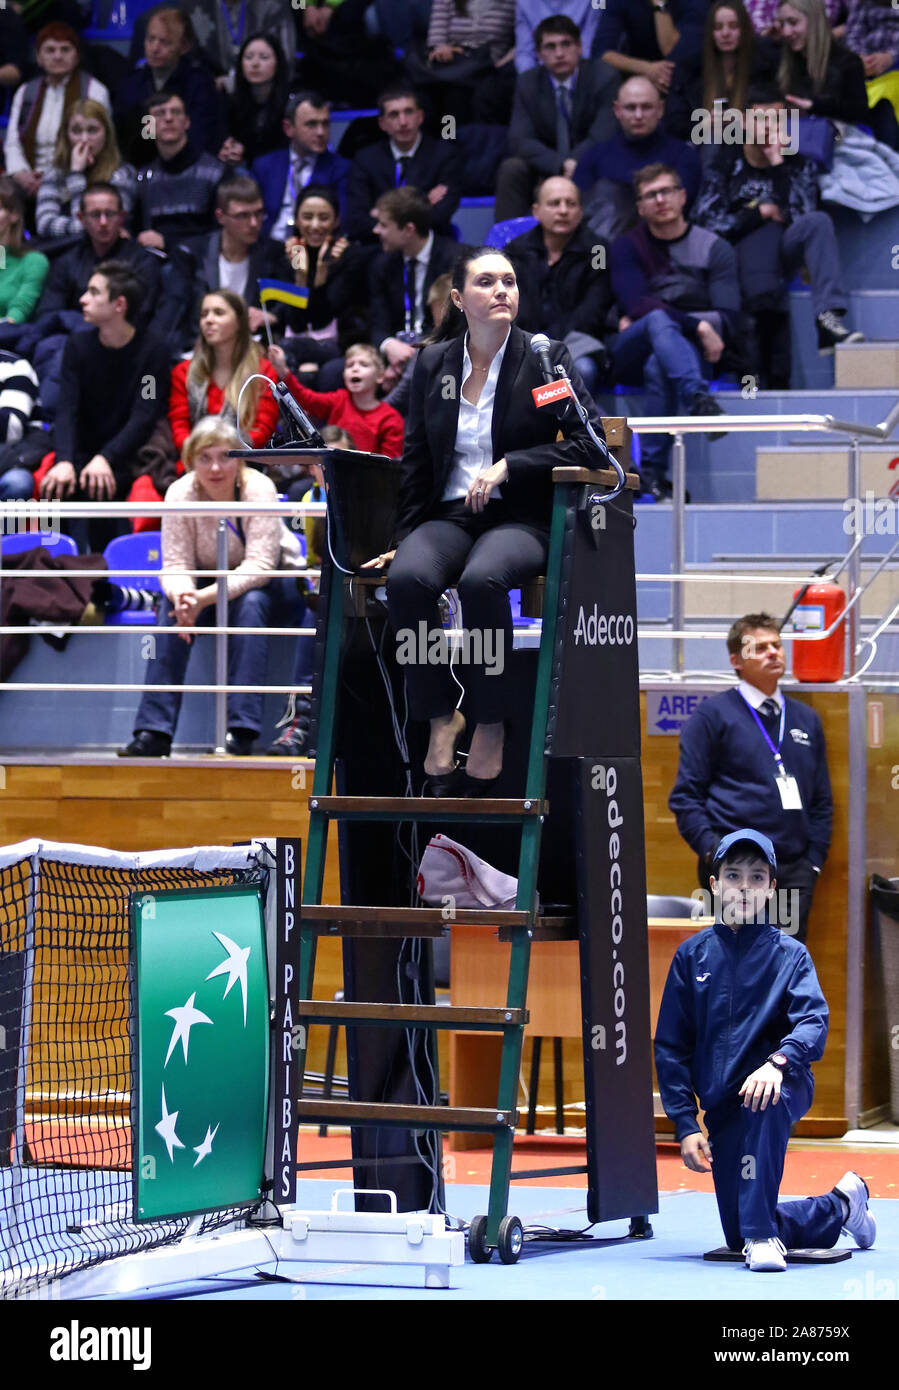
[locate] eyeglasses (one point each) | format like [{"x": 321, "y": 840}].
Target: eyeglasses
[
  {"x": 251, "y": 215},
  {"x": 655, "y": 193}
]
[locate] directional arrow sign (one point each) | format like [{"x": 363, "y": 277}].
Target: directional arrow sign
[{"x": 667, "y": 711}]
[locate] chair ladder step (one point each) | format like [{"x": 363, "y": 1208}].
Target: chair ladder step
[
  {"x": 407, "y": 920},
  {"x": 440, "y": 1117},
  {"x": 427, "y": 808},
  {"x": 416, "y": 1015}
]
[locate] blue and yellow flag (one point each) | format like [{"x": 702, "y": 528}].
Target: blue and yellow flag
[{"x": 297, "y": 295}]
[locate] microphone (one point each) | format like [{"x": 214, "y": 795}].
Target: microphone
[
  {"x": 292, "y": 410},
  {"x": 540, "y": 349}
]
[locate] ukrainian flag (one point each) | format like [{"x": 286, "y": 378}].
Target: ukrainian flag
[{"x": 284, "y": 293}]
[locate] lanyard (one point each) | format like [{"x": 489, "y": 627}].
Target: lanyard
[
  {"x": 781, "y": 770},
  {"x": 236, "y": 38},
  {"x": 409, "y": 271}
]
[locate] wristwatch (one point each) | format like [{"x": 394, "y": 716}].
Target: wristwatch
[{"x": 779, "y": 1060}]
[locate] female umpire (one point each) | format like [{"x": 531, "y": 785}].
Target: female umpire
[{"x": 475, "y": 505}]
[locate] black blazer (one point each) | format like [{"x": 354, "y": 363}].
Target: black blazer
[
  {"x": 373, "y": 172},
  {"x": 532, "y": 129},
  {"x": 523, "y": 435},
  {"x": 388, "y": 305}
]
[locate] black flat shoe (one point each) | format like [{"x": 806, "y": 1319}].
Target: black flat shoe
[
  {"x": 479, "y": 786},
  {"x": 147, "y": 743},
  {"x": 445, "y": 783}
]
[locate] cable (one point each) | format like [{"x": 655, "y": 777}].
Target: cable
[{"x": 255, "y": 376}]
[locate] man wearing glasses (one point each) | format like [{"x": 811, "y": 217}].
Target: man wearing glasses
[
  {"x": 676, "y": 286},
  {"x": 234, "y": 257},
  {"x": 103, "y": 217}
]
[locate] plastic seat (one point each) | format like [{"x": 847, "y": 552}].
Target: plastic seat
[
  {"x": 140, "y": 551},
  {"x": 501, "y": 233},
  {"x": 53, "y": 541},
  {"x": 663, "y": 905}
]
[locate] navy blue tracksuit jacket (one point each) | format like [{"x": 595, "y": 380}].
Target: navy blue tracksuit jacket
[{"x": 730, "y": 1000}]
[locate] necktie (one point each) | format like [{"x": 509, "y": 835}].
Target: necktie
[
  {"x": 402, "y": 169},
  {"x": 770, "y": 709},
  {"x": 563, "y": 121}
]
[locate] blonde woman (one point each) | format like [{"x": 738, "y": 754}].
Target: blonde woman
[
  {"x": 209, "y": 382},
  {"x": 86, "y": 153},
  {"x": 819, "y": 77},
  {"x": 255, "y": 545}
]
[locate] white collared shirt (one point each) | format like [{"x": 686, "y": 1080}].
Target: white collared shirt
[
  {"x": 473, "y": 450},
  {"x": 299, "y": 174},
  {"x": 399, "y": 154},
  {"x": 757, "y": 697}
]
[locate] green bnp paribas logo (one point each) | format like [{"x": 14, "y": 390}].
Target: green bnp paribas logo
[{"x": 202, "y": 1050}]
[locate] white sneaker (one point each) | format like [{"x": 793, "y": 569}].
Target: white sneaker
[
  {"x": 766, "y": 1256},
  {"x": 859, "y": 1223}
]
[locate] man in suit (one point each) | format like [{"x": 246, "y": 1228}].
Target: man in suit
[
  {"x": 406, "y": 156},
  {"x": 235, "y": 256},
  {"x": 563, "y": 283},
  {"x": 605, "y": 172},
  {"x": 562, "y": 108},
  {"x": 281, "y": 174},
  {"x": 412, "y": 256},
  {"x": 753, "y": 756}
]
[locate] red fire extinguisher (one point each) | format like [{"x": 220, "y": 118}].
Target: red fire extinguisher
[{"x": 814, "y": 608}]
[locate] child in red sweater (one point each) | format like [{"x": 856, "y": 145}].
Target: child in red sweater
[{"x": 375, "y": 426}]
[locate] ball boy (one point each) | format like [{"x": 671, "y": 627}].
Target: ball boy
[{"x": 741, "y": 1021}]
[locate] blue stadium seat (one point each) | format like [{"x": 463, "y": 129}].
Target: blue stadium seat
[
  {"x": 501, "y": 233},
  {"x": 57, "y": 544},
  {"x": 141, "y": 551},
  {"x": 113, "y": 20}
]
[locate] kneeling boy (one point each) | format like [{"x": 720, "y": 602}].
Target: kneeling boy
[{"x": 742, "y": 1019}]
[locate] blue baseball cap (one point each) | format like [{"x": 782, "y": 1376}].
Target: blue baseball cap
[{"x": 751, "y": 837}]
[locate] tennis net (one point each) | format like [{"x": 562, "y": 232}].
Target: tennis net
[{"x": 66, "y": 1007}]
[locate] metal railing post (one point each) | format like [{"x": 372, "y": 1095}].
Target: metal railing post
[
  {"x": 854, "y": 567},
  {"x": 221, "y": 638},
  {"x": 678, "y": 541}
]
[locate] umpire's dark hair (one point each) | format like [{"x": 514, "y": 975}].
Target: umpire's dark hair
[
  {"x": 750, "y": 622},
  {"x": 121, "y": 281},
  {"x": 453, "y": 323},
  {"x": 556, "y": 24}
]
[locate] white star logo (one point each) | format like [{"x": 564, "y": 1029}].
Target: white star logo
[
  {"x": 185, "y": 1018},
  {"x": 166, "y": 1129},
  {"x": 204, "y": 1149},
  {"x": 235, "y": 966}
]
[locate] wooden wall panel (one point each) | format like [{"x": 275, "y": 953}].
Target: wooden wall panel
[{"x": 882, "y": 858}]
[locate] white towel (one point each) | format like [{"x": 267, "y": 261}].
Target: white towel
[{"x": 449, "y": 870}]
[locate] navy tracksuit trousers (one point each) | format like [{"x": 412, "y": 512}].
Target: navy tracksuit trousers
[{"x": 748, "y": 1151}]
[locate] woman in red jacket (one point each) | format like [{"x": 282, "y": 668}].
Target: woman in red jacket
[{"x": 210, "y": 382}]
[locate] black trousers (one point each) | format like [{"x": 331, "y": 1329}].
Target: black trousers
[
  {"x": 483, "y": 557},
  {"x": 795, "y": 876}
]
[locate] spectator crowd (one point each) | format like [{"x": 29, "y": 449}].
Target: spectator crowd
[{"x": 175, "y": 224}]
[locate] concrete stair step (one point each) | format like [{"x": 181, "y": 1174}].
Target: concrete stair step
[
  {"x": 866, "y": 365},
  {"x": 807, "y": 472}
]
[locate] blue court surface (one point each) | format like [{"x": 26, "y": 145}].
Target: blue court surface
[
  {"x": 670, "y": 1266},
  {"x": 611, "y": 1267}
]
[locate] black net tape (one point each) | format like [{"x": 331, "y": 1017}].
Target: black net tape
[{"x": 65, "y": 1068}]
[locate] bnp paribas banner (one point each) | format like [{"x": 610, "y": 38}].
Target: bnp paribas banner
[{"x": 200, "y": 1049}]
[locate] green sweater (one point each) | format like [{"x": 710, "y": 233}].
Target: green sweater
[{"x": 21, "y": 281}]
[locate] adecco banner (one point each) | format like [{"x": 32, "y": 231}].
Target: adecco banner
[
  {"x": 596, "y": 686},
  {"x": 614, "y": 956}
]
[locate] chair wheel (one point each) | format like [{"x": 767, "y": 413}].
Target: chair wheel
[
  {"x": 510, "y": 1239},
  {"x": 477, "y": 1247}
]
